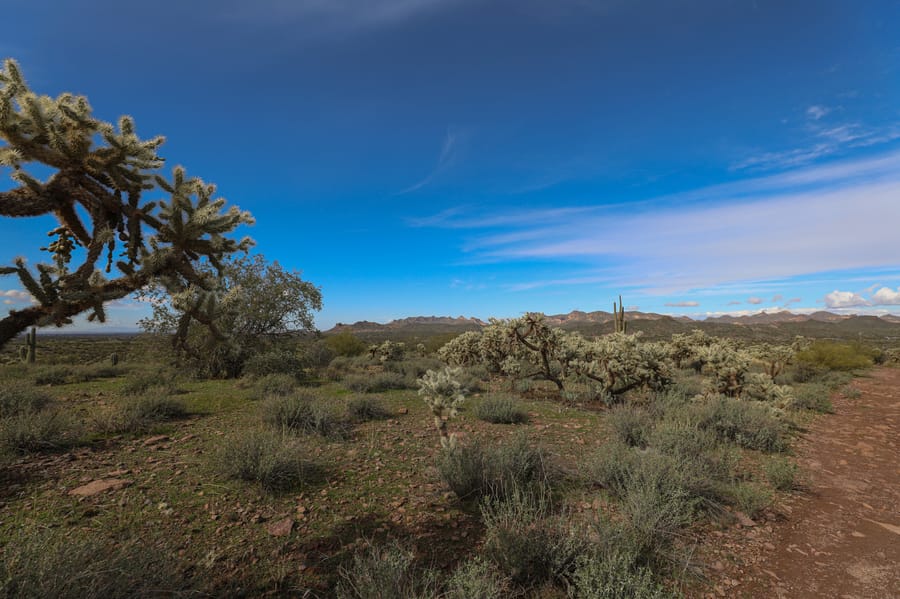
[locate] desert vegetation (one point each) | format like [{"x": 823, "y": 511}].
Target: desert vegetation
[
  {"x": 521, "y": 460},
  {"x": 233, "y": 450}
]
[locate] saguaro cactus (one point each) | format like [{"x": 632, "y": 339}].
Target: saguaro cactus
[
  {"x": 29, "y": 350},
  {"x": 619, "y": 314}
]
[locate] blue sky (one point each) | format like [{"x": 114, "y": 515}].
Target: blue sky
[{"x": 485, "y": 158}]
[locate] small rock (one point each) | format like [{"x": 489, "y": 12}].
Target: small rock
[
  {"x": 281, "y": 528},
  {"x": 155, "y": 440},
  {"x": 403, "y": 411},
  {"x": 99, "y": 486},
  {"x": 718, "y": 566},
  {"x": 744, "y": 520},
  {"x": 769, "y": 546}
]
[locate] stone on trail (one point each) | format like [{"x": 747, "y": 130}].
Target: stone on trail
[
  {"x": 99, "y": 486},
  {"x": 281, "y": 528}
]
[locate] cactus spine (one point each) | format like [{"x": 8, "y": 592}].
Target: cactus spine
[
  {"x": 619, "y": 314},
  {"x": 29, "y": 351}
]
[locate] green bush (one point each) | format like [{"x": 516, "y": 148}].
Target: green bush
[
  {"x": 833, "y": 355},
  {"x": 346, "y": 344},
  {"x": 315, "y": 355},
  {"x": 656, "y": 497},
  {"x": 750, "y": 498},
  {"x": 413, "y": 368},
  {"x": 161, "y": 382},
  {"x": 472, "y": 471},
  {"x": 749, "y": 424},
  {"x": 269, "y": 459},
  {"x": 52, "y": 375},
  {"x": 363, "y": 409},
  {"x": 276, "y": 361},
  {"x": 631, "y": 424},
  {"x": 813, "y": 396},
  {"x": 21, "y": 398},
  {"x": 526, "y": 541},
  {"x": 501, "y": 410},
  {"x": 387, "y": 572},
  {"x": 781, "y": 473},
  {"x": 302, "y": 412},
  {"x": 383, "y": 381},
  {"x": 614, "y": 575},
  {"x": 274, "y": 384},
  {"x": 47, "y": 430},
  {"x": 138, "y": 414},
  {"x": 54, "y": 563},
  {"x": 476, "y": 579}
]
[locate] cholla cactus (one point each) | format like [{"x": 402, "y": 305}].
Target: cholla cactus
[
  {"x": 462, "y": 350},
  {"x": 773, "y": 357},
  {"x": 100, "y": 172},
  {"x": 443, "y": 393},
  {"x": 760, "y": 387},
  {"x": 388, "y": 351},
  {"x": 620, "y": 363},
  {"x": 728, "y": 367}
]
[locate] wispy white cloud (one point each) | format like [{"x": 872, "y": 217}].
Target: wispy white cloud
[
  {"x": 735, "y": 303},
  {"x": 754, "y": 300},
  {"x": 777, "y": 298},
  {"x": 449, "y": 151},
  {"x": 844, "y": 299},
  {"x": 688, "y": 304},
  {"x": 823, "y": 140},
  {"x": 835, "y": 217},
  {"x": 817, "y": 111}
]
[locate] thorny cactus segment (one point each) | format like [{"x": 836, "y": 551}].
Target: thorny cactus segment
[
  {"x": 444, "y": 394},
  {"x": 100, "y": 172}
]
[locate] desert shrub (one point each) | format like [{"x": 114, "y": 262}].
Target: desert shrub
[
  {"x": 383, "y": 381},
  {"x": 833, "y": 355},
  {"x": 813, "y": 396},
  {"x": 302, "y": 412},
  {"x": 631, "y": 424},
  {"x": 46, "y": 430},
  {"x": 52, "y": 375},
  {"x": 49, "y": 563},
  {"x": 90, "y": 372},
  {"x": 338, "y": 368},
  {"x": 851, "y": 392},
  {"x": 21, "y": 398},
  {"x": 386, "y": 572},
  {"x": 525, "y": 540},
  {"x": 476, "y": 579},
  {"x": 413, "y": 368},
  {"x": 269, "y": 459},
  {"x": 141, "y": 413},
  {"x": 472, "y": 471},
  {"x": 160, "y": 382},
  {"x": 614, "y": 575},
  {"x": 315, "y": 355},
  {"x": 501, "y": 410},
  {"x": 750, "y": 498},
  {"x": 274, "y": 384},
  {"x": 472, "y": 378},
  {"x": 781, "y": 473},
  {"x": 346, "y": 343},
  {"x": 748, "y": 424},
  {"x": 275, "y": 361},
  {"x": 658, "y": 504},
  {"x": 363, "y": 409}
]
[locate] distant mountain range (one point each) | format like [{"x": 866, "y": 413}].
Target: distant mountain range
[{"x": 763, "y": 325}]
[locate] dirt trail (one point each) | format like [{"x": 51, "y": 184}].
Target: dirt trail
[{"x": 839, "y": 536}]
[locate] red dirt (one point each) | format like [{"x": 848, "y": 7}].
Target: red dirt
[{"x": 839, "y": 536}]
